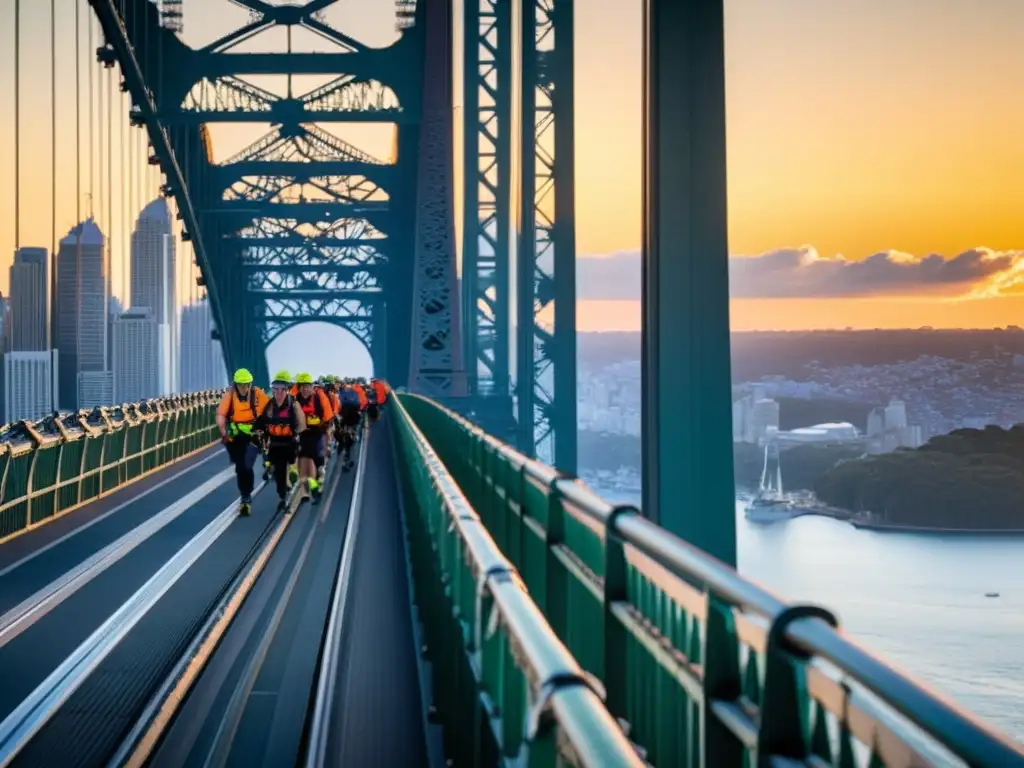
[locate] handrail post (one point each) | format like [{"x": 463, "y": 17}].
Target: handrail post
[
  {"x": 721, "y": 683},
  {"x": 616, "y": 587},
  {"x": 3, "y": 479},
  {"x": 783, "y": 732},
  {"x": 83, "y": 460},
  {"x": 554, "y": 582},
  {"x": 28, "y": 484}
]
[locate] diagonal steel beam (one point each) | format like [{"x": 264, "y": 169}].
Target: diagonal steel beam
[{"x": 240, "y": 35}]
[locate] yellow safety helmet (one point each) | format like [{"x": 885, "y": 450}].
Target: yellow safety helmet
[
  {"x": 242, "y": 376},
  {"x": 304, "y": 378},
  {"x": 281, "y": 378}
]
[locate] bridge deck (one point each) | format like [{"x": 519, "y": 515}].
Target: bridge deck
[{"x": 251, "y": 704}]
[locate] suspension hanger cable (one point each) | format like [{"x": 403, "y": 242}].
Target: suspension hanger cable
[
  {"x": 17, "y": 123},
  {"x": 53, "y": 125},
  {"x": 110, "y": 183},
  {"x": 123, "y": 194},
  {"x": 91, "y": 92},
  {"x": 78, "y": 110}
]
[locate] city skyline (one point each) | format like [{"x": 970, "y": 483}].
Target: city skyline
[
  {"x": 104, "y": 352},
  {"x": 827, "y": 147}
]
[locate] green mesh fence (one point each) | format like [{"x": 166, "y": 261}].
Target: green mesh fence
[
  {"x": 705, "y": 667},
  {"x": 61, "y": 462}
]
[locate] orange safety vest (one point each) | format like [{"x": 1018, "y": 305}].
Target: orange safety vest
[
  {"x": 335, "y": 402},
  {"x": 239, "y": 411},
  {"x": 382, "y": 393},
  {"x": 317, "y": 408},
  {"x": 363, "y": 400}
]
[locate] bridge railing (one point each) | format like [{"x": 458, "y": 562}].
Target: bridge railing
[
  {"x": 693, "y": 656},
  {"x": 51, "y": 466},
  {"x": 505, "y": 686}
]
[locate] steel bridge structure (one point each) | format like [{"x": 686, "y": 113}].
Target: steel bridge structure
[{"x": 495, "y": 611}]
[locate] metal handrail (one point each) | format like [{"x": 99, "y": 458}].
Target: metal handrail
[
  {"x": 804, "y": 631},
  {"x": 563, "y": 692},
  {"x": 57, "y": 430}
]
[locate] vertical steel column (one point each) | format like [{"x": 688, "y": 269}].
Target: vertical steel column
[
  {"x": 687, "y": 410},
  {"x": 487, "y": 138},
  {"x": 547, "y": 245},
  {"x": 436, "y": 366}
]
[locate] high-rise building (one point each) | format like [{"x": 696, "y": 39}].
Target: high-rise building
[
  {"x": 154, "y": 285},
  {"x": 895, "y": 415},
  {"x": 5, "y": 324},
  {"x": 5, "y": 333},
  {"x": 28, "y": 385},
  {"x": 202, "y": 362},
  {"x": 95, "y": 389},
  {"x": 876, "y": 422},
  {"x": 114, "y": 310},
  {"x": 83, "y": 286},
  {"x": 28, "y": 301},
  {"x": 135, "y": 356}
]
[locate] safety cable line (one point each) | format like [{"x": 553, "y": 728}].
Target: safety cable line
[
  {"x": 53, "y": 125},
  {"x": 92, "y": 174},
  {"x": 17, "y": 123},
  {"x": 110, "y": 188},
  {"x": 125, "y": 224},
  {"x": 54, "y": 313},
  {"x": 132, "y": 204},
  {"x": 53, "y": 165},
  {"x": 101, "y": 100},
  {"x": 78, "y": 110}
]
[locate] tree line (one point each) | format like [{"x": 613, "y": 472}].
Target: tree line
[{"x": 969, "y": 478}]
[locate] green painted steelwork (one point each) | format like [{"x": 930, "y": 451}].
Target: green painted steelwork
[
  {"x": 506, "y": 688},
  {"x": 686, "y": 403},
  {"x": 706, "y": 667},
  {"x": 301, "y": 225},
  {"x": 59, "y": 463},
  {"x": 546, "y": 272},
  {"x": 487, "y": 198}
]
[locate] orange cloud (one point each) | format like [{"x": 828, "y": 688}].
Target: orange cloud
[{"x": 803, "y": 273}]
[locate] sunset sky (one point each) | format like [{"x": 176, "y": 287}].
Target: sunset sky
[{"x": 855, "y": 129}]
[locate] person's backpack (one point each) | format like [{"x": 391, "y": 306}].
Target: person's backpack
[{"x": 349, "y": 397}]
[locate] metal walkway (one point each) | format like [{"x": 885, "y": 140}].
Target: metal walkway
[{"x": 156, "y": 626}]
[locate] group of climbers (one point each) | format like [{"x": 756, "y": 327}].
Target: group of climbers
[{"x": 294, "y": 428}]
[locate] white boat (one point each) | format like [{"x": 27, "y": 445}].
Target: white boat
[
  {"x": 771, "y": 504},
  {"x": 770, "y": 508}
]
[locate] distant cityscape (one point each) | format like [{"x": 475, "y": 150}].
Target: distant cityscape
[
  {"x": 899, "y": 405},
  {"x": 96, "y": 352},
  {"x": 756, "y": 419}
]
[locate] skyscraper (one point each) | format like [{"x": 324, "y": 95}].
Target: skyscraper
[
  {"x": 5, "y": 337},
  {"x": 154, "y": 285},
  {"x": 28, "y": 385},
  {"x": 135, "y": 353},
  {"x": 28, "y": 301},
  {"x": 82, "y": 289},
  {"x": 202, "y": 362}
]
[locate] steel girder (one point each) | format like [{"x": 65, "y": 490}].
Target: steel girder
[
  {"x": 231, "y": 99},
  {"x": 487, "y": 144},
  {"x": 335, "y": 224},
  {"x": 436, "y": 367},
  {"x": 546, "y": 284}
]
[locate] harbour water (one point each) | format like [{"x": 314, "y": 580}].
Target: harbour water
[{"x": 917, "y": 600}]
